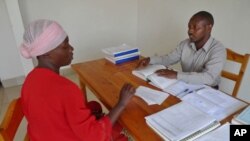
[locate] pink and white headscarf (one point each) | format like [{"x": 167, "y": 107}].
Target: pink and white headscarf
[{"x": 40, "y": 37}]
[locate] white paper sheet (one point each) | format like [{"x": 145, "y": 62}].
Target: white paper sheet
[{"x": 151, "y": 96}]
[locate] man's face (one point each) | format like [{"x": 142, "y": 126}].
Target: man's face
[{"x": 198, "y": 29}]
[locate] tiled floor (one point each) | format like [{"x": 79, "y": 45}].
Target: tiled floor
[{"x": 8, "y": 94}]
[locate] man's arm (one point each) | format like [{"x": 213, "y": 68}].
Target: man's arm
[{"x": 168, "y": 59}]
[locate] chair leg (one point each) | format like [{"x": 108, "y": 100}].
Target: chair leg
[{"x": 26, "y": 137}]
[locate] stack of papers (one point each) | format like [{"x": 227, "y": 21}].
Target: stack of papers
[
  {"x": 121, "y": 54},
  {"x": 219, "y": 134},
  {"x": 181, "y": 121},
  {"x": 151, "y": 96}
]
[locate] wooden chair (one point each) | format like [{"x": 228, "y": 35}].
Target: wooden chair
[
  {"x": 12, "y": 120},
  {"x": 238, "y": 58}
]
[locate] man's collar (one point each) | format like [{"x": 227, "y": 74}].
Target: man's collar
[{"x": 205, "y": 47}]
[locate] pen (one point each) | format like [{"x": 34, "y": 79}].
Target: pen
[
  {"x": 184, "y": 91},
  {"x": 189, "y": 92},
  {"x": 196, "y": 90}
]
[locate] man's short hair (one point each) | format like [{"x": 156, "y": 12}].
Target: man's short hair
[{"x": 206, "y": 16}]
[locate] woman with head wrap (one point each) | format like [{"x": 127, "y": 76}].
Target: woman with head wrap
[{"x": 54, "y": 106}]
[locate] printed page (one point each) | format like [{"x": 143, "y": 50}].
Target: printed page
[
  {"x": 180, "y": 87},
  {"x": 179, "y": 121},
  {"x": 215, "y": 103},
  {"x": 161, "y": 82},
  {"x": 204, "y": 104},
  {"x": 151, "y": 96},
  {"x": 145, "y": 72}
]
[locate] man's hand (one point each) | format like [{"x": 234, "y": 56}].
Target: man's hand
[
  {"x": 167, "y": 73},
  {"x": 143, "y": 63}
]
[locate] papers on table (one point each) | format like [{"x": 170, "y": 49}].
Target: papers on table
[
  {"x": 219, "y": 134},
  {"x": 181, "y": 88},
  {"x": 161, "y": 82},
  {"x": 151, "y": 96},
  {"x": 199, "y": 113},
  {"x": 147, "y": 71},
  {"x": 214, "y": 102},
  {"x": 181, "y": 121},
  {"x": 148, "y": 74}
]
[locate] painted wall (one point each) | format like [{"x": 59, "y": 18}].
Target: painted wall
[
  {"x": 155, "y": 26},
  {"x": 10, "y": 64},
  {"x": 162, "y": 24},
  {"x": 91, "y": 24}
]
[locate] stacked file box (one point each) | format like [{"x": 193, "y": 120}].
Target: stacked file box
[{"x": 121, "y": 54}]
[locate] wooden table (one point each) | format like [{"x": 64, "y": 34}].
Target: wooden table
[{"x": 105, "y": 80}]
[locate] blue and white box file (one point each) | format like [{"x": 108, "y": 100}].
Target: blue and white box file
[
  {"x": 121, "y": 54},
  {"x": 121, "y": 50},
  {"x": 123, "y": 60}
]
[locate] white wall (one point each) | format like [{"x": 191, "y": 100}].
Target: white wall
[
  {"x": 91, "y": 24},
  {"x": 156, "y": 26},
  {"x": 162, "y": 24},
  {"x": 11, "y": 67}
]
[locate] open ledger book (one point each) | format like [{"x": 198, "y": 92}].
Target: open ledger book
[
  {"x": 181, "y": 122},
  {"x": 148, "y": 74},
  {"x": 214, "y": 102}
]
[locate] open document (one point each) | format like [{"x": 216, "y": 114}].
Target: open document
[
  {"x": 147, "y": 71},
  {"x": 214, "y": 102},
  {"x": 181, "y": 88},
  {"x": 181, "y": 121},
  {"x": 148, "y": 74}
]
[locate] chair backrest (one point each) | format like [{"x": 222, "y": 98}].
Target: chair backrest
[
  {"x": 238, "y": 58},
  {"x": 12, "y": 119}
]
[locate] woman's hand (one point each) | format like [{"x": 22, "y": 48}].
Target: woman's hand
[{"x": 126, "y": 94}]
